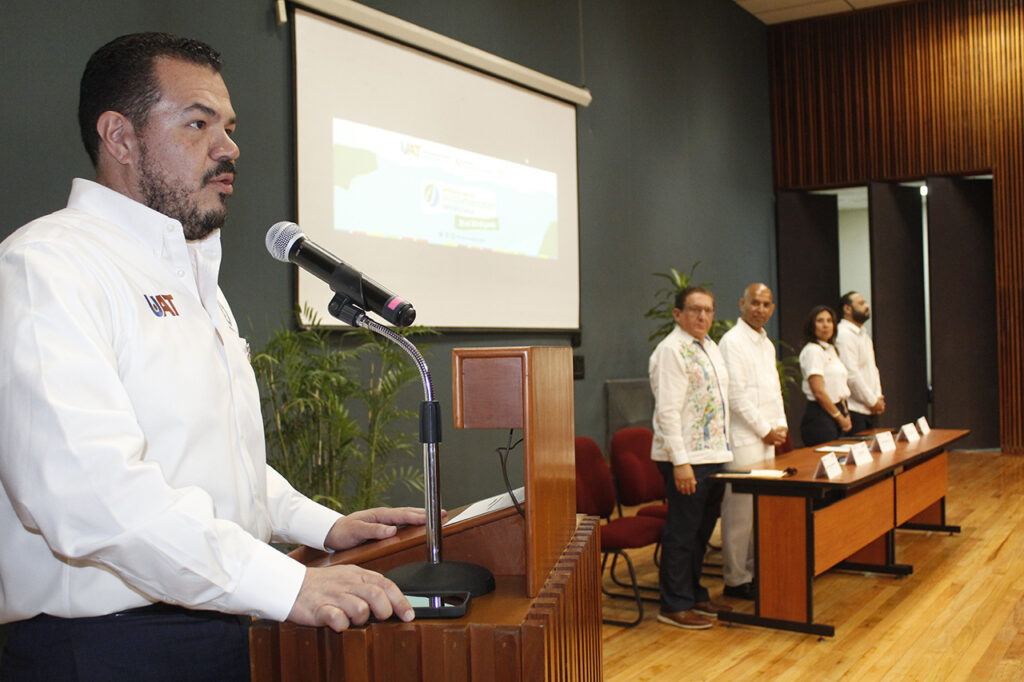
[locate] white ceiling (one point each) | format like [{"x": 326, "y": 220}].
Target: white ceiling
[{"x": 779, "y": 11}]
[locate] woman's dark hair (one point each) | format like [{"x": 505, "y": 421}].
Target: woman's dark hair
[
  {"x": 119, "y": 77},
  {"x": 809, "y": 335}
]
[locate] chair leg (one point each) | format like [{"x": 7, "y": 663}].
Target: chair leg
[
  {"x": 615, "y": 579},
  {"x": 636, "y": 591}
]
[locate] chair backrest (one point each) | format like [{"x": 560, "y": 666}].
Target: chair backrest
[
  {"x": 595, "y": 491},
  {"x": 638, "y": 478}
]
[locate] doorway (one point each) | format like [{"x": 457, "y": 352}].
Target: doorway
[{"x": 929, "y": 261}]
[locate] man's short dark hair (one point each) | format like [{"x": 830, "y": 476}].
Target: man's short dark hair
[
  {"x": 684, "y": 294},
  {"x": 846, "y": 300},
  {"x": 120, "y": 77},
  {"x": 809, "y": 335}
]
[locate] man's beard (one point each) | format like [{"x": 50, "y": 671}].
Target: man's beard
[
  {"x": 175, "y": 202},
  {"x": 860, "y": 317}
]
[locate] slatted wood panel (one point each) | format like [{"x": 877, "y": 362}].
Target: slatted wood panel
[
  {"x": 907, "y": 91},
  {"x": 555, "y": 636}
]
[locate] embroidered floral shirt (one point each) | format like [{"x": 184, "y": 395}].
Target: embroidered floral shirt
[{"x": 689, "y": 381}]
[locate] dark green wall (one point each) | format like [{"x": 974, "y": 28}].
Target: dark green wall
[{"x": 674, "y": 156}]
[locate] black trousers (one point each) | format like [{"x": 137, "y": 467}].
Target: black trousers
[
  {"x": 158, "y": 642},
  {"x": 862, "y": 422},
  {"x": 688, "y": 527},
  {"x": 817, "y": 426}
]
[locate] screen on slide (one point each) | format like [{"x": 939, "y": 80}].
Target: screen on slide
[{"x": 451, "y": 188}]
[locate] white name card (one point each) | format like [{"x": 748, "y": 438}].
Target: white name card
[
  {"x": 883, "y": 442},
  {"x": 922, "y": 425},
  {"x": 829, "y": 467},
  {"x": 860, "y": 454},
  {"x": 908, "y": 432}
]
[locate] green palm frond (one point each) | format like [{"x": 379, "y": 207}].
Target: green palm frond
[{"x": 333, "y": 423}]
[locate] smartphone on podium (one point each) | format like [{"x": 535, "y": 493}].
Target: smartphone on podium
[{"x": 439, "y": 604}]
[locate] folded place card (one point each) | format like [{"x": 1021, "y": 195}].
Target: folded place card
[
  {"x": 908, "y": 432},
  {"x": 859, "y": 454},
  {"x": 828, "y": 467},
  {"x": 922, "y": 425},
  {"x": 883, "y": 442}
]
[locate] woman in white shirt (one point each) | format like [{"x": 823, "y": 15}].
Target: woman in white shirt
[{"x": 826, "y": 417}]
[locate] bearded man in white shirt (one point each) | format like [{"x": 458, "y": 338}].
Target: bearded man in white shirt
[
  {"x": 691, "y": 410},
  {"x": 136, "y": 504},
  {"x": 757, "y": 424},
  {"x": 857, "y": 352}
]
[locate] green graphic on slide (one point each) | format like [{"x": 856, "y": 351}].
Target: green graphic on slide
[
  {"x": 393, "y": 186},
  {"x": 350, "y": 163}
]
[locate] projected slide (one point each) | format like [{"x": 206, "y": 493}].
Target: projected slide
[{"x": 391, "y": 185}]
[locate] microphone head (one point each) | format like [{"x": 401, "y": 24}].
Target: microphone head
[{"x": 281, "y": 237}]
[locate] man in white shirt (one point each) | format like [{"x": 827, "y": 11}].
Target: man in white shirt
[
  {"x": 857, "y": 352},
  {"x": 136, "y": 504},
  {"x": 757, "y": 424},
  {"x": 689, "y": 381}
]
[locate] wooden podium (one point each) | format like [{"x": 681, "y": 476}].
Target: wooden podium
[{"x": 543, "y": 621}]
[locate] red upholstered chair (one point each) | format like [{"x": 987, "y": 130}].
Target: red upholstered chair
[
  {"x": 595, "y": 496},
  {"x": 637, "y": 478},
  {"x": 639, "y": 481}
]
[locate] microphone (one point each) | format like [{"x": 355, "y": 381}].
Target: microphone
[{"x": 288, "y": 243}]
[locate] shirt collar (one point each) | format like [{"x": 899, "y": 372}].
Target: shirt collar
[
  {"x": 153, "y": 229},
  {"x": 758, "y": 333},
  {"x": 140, "y": 221},
  {"x": 855, "y": 328},
  {"x": 688, "y": 338}
]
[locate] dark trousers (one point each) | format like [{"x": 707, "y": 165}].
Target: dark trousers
[
  {"x": 159, "y": 642},
  {"x": 817, "y": 426},
  {"x": 688, "y": 527},
  {"x": 863, "y": 422}
]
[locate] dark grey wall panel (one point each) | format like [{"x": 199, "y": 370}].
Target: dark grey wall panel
[{"x": 674, "y": 156}]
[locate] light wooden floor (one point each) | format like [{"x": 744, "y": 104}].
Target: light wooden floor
[{"x": 959, "y": 616}]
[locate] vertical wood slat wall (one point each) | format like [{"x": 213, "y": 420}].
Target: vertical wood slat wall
[{"x": 906, "y": 91}]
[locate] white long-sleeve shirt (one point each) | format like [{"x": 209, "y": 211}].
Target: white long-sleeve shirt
[
  {"x": 132, "y": 457},
  {"x": 858, "y": 355},
  {"x": 755, "y": 395},
  {"x": 691, "y": 408}
]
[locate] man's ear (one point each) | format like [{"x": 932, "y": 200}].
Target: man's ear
[{"x": 117, "y": 137}]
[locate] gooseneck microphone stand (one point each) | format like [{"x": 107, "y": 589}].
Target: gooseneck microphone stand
[{"x": 433, "y": 576}]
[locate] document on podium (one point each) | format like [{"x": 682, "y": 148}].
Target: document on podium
[{"x": 499, "y": 501}]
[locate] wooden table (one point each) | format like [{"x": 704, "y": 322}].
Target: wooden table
[{"x": 804, "y": 525}]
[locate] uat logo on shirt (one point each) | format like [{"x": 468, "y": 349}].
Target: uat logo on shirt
[{"x": 161, "y": 304}]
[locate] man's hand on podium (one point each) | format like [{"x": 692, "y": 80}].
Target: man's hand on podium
[
  {"x": 342, "y": 595},
  {"x": 372, "y": 524}
]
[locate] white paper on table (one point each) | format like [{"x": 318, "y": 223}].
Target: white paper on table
[
  {"x": 833, "y": 448},
  {"x": 499, "y": 501},
  {"x": 754, "y": 473}
]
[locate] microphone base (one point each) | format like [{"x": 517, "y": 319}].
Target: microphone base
[{"x": 446, "y": 576}]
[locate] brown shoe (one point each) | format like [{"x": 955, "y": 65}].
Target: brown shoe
[
  {"x": 688, "y": 620},
  {"x": 710, "y": 608}
]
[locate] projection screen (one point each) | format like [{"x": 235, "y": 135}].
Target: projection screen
[{"x": 454, "y": 189}]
